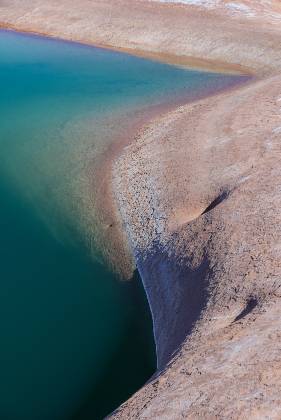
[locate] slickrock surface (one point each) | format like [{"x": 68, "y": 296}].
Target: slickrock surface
[
  {"x": 223, "y": 260},
  {"x": 199, "y": 193}
]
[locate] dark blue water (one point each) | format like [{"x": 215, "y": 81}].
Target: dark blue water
[{"x": 75, "y": 341}]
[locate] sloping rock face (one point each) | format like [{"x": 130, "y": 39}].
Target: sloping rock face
[
  {"x": 218, "y": 200},
  {"x": 232, "y": 372},
  {"x": 199, "y": 193},
  {"x": 210, "y": 253}
]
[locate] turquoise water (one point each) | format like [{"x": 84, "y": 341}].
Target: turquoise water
[{"x": 75, "y": 341}]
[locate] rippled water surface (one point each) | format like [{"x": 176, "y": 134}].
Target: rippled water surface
[{"x": 75, "y": 341}]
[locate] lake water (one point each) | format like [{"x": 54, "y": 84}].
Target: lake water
[{"x": 75, "y": 341}]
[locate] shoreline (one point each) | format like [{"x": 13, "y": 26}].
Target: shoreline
[
  {"x": 208, "y": 174},
  {"x": 114, "y": 151},
  {"x": 159, "y": 31},
  {"x": 111, "y": 216},
  {"x": 189, "y": 63}
]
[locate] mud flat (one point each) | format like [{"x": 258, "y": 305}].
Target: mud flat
[{"x": 199, "y": 194}]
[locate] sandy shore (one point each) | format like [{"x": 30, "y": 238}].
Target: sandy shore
[{"x": 207, "y": 193}]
